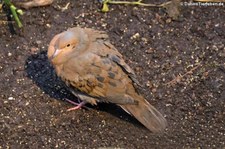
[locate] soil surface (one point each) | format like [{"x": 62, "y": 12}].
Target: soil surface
[{"x": 181, "y": 65}]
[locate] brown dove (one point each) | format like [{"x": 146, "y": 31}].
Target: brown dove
[{"x": 95, "y": 71}]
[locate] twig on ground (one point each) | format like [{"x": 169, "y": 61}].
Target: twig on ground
[
  {"x": 139, "y": 2},
  {"x": 172, "y": 7},
  {"x": 179, "y": 77},
  {"x": 222, "y": 1}
]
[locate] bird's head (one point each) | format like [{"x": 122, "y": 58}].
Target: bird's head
[{"x": 66, "y": 45}]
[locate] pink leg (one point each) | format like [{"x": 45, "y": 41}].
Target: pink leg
[{"x": 78, "y": 105}]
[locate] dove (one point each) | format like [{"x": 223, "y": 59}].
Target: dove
[{"x": 94, "y": 71}]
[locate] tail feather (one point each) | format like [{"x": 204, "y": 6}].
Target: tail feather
[{"x": 147, "y": 115}]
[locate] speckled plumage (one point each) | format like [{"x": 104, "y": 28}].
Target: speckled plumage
[{"x": 95, "y": 71}]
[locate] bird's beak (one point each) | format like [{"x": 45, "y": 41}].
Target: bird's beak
[
  {"x": 56, "y": 52},
  {"x": 52, "y": 52},
  {"x": 53, "y": 49}
]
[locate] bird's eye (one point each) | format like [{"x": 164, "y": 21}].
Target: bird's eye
[{"x": 68, "y": 45}]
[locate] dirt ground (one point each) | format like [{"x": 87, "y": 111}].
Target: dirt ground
[{"x": 181, "y": 65}]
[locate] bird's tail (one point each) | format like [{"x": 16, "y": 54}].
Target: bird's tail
[{"x": 147, "y": 115}]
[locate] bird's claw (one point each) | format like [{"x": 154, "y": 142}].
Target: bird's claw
[{"x": 78, "y": 105}]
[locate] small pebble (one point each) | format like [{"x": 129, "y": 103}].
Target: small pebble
[
  {"x": 135, "y": 36},
  {"x": 11, "y": 98},
  {"x": 9, "y": 54}
]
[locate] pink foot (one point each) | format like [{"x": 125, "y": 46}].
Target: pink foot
[{"x": 78, "y": 105}]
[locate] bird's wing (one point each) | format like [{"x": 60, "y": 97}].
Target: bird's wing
[
  {"x": 102, "y": 47},
  {"x": 116, "y": 57},
  {"x": 99, "y": 77}
]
